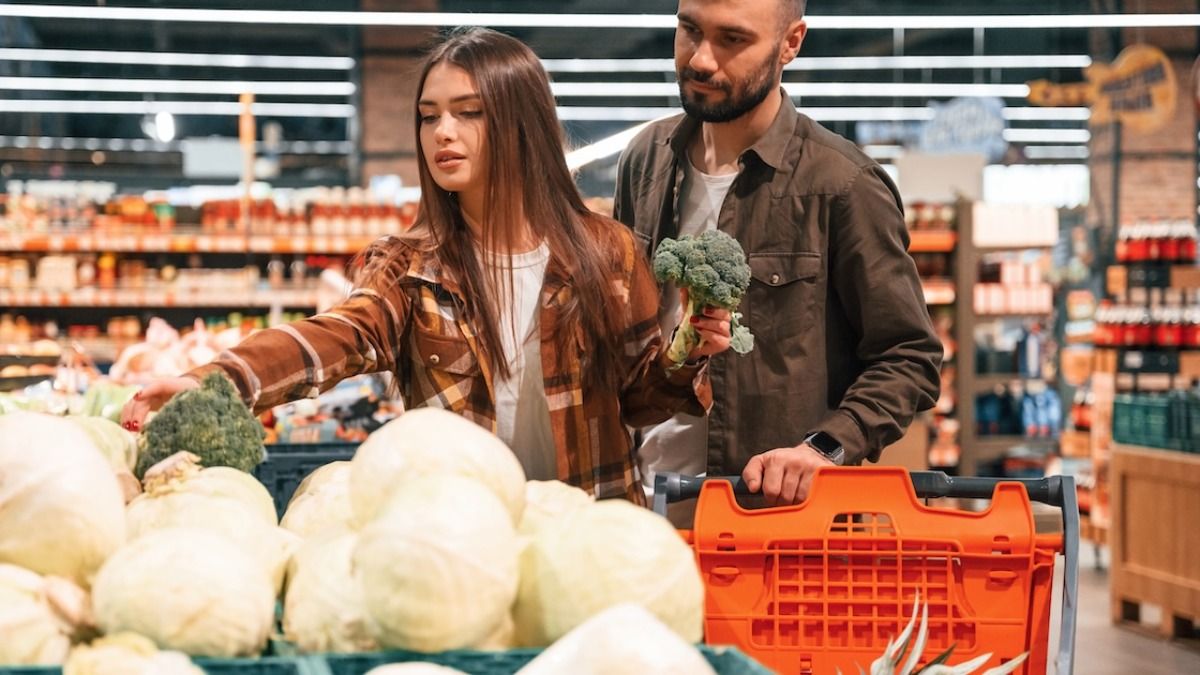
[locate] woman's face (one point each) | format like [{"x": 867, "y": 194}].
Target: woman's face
[{"x": 452, "y": 130}]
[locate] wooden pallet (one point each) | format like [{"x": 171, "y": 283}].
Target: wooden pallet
[
  {"x": 1153, "y": 543},
  {"x": 1089, "y": 531},
  {"x": 1171, "y": 625}
]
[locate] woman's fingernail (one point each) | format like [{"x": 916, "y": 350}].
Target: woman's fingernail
[{"x": 695, "y": 319}]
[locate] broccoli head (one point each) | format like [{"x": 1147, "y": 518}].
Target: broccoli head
[
  {"x": 211, "y": 422},
  {"x": 713, "y": 268}
]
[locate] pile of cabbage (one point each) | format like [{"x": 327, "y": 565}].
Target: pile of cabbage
[{"x": 429, "y": 540}]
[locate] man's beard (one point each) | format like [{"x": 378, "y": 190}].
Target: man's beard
[{"x": 735, "y": 103}]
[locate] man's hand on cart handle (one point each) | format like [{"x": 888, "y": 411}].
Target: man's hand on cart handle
[{"x": 784, "y": 475}]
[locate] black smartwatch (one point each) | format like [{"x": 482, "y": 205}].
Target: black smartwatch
[{"x": 828, "y": 446}]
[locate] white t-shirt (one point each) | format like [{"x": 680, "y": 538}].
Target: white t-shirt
[
  {"x": 522, "y": 413},
  {"x": 680, "y": 444}
]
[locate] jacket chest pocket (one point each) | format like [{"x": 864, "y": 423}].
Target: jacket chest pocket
[{"x": 783, "y": 292}]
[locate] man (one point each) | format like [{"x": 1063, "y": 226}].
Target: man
[{"x": 845, "y": 354}]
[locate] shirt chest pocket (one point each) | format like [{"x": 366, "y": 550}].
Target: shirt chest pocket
[
  {"x": 444, "y": 354},
  {"x": 783, "y": 294}
]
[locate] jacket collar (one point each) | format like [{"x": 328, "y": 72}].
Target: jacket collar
[{"x": 770, "y": 149}]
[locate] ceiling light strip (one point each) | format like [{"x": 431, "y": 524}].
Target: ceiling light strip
[
  {"x": 177, "y": 59},
  {"x": 573, "y": 20},
  {"x": 808, "y": 64},
  {"x": 813, "y": 89},
  {"x": 231, "y": 88},
  {"x": 641, "y": 114},
  {"x": 1059, "y": 136},
  {"x": 79, "y": 143},
  {"x": 218, "y": 108}
]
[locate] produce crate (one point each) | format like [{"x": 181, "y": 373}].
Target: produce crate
[
  {"x": 1153, "y": 542},
  {"x": 825, "y": 584},
  {"x": 272, "y": 665},
  {"x": 1167, "y": 421},
  {"x": 287, "y": 465},
  {"x": 726, "y": 661}
]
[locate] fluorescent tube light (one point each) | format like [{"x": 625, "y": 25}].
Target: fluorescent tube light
[
  {"x": 605, "y": 147},
  {"x": 573, "y": 20},
  {"x": 808, "y": 64},
  {"x": 177, "y": 59},
  {"x": 570, "y": 113},
  {"x": 814, "y": 89},
  {"x": 87, "y": 84},
  {"x": 1047, "y": 135},
  {"x": 175, "y": 107},
  {"x": 1057, "y": 152},
  {"x": 73, "y": 143}
]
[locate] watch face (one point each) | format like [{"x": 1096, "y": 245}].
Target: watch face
[{"x": 825, "y": 443}]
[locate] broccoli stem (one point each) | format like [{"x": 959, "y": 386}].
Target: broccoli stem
[{"x": 686, "y": 337}]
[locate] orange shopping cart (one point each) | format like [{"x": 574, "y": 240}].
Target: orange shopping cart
[{"x": 825, "y": 584}]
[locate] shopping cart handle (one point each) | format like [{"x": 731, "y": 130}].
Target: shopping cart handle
[
  {"x": 928, "y": 484},
  {"x": 678, "y": 487}
]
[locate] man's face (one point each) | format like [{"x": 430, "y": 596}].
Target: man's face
[{"x": 727, "y": 56}]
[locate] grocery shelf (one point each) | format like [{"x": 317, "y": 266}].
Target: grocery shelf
[
  {"x": 996, "y": 445},
  {"x": 14, "y": 383},
  {"x": 984, "y": 249},
  {"x": 1012, "y": 315},
  {"x": 158, "y": 298},
  {"x": 987, "y": 381},
  {"x": 179, "y": 243},
  {"x": 932, "y": 241},
  {"x": 939, "y": 291}
]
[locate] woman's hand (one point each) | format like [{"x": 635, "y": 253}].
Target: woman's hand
[
  {"x": 151, "y": 398},
  {"x": 712, "y": 325}
]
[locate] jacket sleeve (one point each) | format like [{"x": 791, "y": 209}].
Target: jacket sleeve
[
  {"x": 304, "y": 358},
  {"x": 652, "y": 392},
  {"x": 871, "y": 271}
]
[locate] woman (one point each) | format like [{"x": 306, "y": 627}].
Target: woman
[{"x": 508, "y": 302}]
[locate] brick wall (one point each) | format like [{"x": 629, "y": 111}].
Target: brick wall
[
  {"x": 1157, "y": 169},
  {"x": 390, "y": 62}
]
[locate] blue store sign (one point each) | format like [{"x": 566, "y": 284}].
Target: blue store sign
[{"x": 966, "y": 125}]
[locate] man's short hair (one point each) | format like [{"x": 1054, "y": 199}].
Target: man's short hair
[{"x": 791, "y": 10}]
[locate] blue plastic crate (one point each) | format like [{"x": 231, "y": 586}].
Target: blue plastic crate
[
  {"x": 268, "y": 665},
  {"x": 287, "y": 465},
  {"x": 724, "y": 660}
]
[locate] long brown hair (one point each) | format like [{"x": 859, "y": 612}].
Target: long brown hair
[{"x": 527, "y": 177}]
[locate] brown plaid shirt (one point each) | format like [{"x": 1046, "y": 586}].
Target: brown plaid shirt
[{"x": 414, "y": 329}]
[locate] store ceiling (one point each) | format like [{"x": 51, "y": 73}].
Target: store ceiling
[{"x": 71, "y": 118}]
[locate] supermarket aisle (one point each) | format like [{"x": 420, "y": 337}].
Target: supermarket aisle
[{"x": 1103, "y": 649}]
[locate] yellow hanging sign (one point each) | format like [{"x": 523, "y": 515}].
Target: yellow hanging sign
[{"x": 1139, "y": 90}]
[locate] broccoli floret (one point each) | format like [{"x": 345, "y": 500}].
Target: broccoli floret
[
  {"x": 211, "y": 422},
  {"x": 713, "y": 268}
]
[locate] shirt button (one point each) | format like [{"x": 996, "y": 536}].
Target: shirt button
[
  {"x": 434, "y": 360},
  {"x": 774, "y": 278}
]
